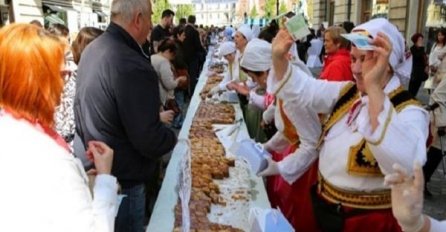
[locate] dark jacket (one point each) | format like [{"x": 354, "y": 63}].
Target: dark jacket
[
  {"x": 419, "y": 62},
  {"x": 117, "y": 102},
  {"x": 179, "y": 62},
  {"x": 192, "y": 45}
]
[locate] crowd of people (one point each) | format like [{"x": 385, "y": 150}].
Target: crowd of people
[{"x": 81, "y": 120}]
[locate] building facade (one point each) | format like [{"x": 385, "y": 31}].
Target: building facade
[
  {"x": 75, "y": 14},
  {"x": 217, "y": 13},
  {"x": 410, "y": 16}
]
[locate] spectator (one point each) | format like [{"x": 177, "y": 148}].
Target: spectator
[
  {"x": 60, "y": 30},
  {"x": 348, "y": 26},
  {"x": 192, "y": 50},
  {"x": 50, "y": 192},
  {"x": 337, "y": 63},
  {"x": 117, "y": 101},
  {"x": 437, "y": 63},
  {"x": 420, "y": 67},
  {"x": 313, "y": 61},
  {"x": 36, "y": 23},
  {"x": 162, "y": 64},
  {"x": 438, "y": 127},
  {"x": 182, "y": 22},
  {"x": 162, "y": 30},
  {"x": 64, "y": 118},
  {"x": 180, "y": 66}
]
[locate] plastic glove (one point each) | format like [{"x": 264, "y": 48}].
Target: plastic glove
[
  {"x": 407, "y": 197},
  {"x": 271, "y": 169},
  {"x": 268, "y": 114}
]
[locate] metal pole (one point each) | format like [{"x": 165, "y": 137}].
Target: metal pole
[{"x": 349, "y": 10}]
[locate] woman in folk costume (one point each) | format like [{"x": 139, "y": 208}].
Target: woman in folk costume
[
  {"x": 257, "y": 62},
  {"x": 373, "y": 124},
  {"x": 251, "y": 114},
  {"x": 228, "y": 51}
]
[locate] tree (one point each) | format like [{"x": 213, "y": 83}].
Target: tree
[
  {"x": 270, "y": 8},
  {"x": 158, "y": 7},
  {"x": 253, "y": 13},
  {"x": 282, "y": 8},
  {"x": 183, "y": 11}
]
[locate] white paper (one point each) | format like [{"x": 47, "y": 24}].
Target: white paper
[{"x": 297, "y": 27}]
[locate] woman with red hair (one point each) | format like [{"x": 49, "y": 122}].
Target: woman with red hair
[{"x": 47, "y": 189}]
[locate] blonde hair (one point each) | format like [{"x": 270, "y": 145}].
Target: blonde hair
[{"x": 335, "y": 34}]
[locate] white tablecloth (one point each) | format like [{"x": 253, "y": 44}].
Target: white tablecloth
[{"x": 163, "y": 217}]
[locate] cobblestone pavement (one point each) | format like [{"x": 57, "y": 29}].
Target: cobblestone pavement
[{"x": 435, "y": 206}]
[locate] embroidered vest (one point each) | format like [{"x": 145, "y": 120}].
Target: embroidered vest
[
  {"x": 289, "y": 131},
  {"x": 361, "y": 161}
]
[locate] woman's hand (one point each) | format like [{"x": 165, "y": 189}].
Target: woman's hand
[
  {"x": 231, "y": 85},
  {"x": 375, "y": 75},
  {"x": 242, "y": 89},
  {"x": 167, "y": 116},
  {"x": 407, "y": 197},
  {"x": 102, "y": 156},
  {"x": 280, "y": 47},
  {"x": 281, "y": 44},
  {"x": 181, "y": 79}
]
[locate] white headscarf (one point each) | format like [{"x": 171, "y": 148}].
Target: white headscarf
[
  {"x": 246, "y": 31},
  {"x": 255, "y": 31},
  {"x": 226, "y": 48},
  {"x": 257, "y": 56},
  {"x": 401, "y": 66}
]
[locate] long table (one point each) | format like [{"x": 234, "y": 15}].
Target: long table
[{"x": 163, "y": 217}]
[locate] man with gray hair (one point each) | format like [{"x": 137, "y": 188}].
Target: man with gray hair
[{"x": 117, "y": 102}]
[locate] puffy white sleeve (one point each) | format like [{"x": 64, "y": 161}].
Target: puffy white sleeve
[
  {"x": 277, "y": 143},
  {"x": 317, "y": 95},
  {"x": 308, "y": 126},
  {"x": 399, "y": 137},
  {"x": 226, "y": 80}
]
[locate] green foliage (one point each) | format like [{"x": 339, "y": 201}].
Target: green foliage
[
  {"x": 158, "y": 6},
  {"x": 282, "y": 8},
  {"x": 183, "y": 11},
  {"x": 253, "y": 14},
  {"x": 270, "y": 8}
]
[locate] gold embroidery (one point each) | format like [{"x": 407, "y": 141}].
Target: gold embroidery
[
  {"x": 386, "y": 124},
  {"x": 338, "y": 112},
  {"x": 282, "y": 84},
  {"x": 361, "y": 161},
  {"x": 289, "y": 131},
  {"x": 355, "y": 199}
]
